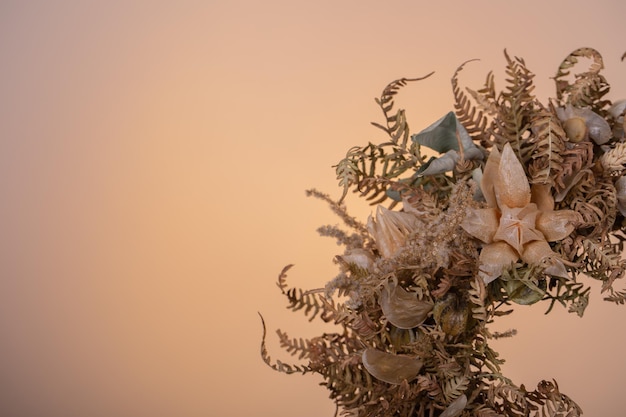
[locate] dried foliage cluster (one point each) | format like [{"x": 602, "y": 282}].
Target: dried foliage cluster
[{"x": 522, "y": 203}]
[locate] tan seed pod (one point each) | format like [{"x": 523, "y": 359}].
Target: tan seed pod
[
  {"x": 575, "y": 129},
  {"x": 452, "y": 314},
  {"x": 390, "y": 368}
]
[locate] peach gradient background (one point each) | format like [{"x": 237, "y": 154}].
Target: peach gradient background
[{"x": 153, "y": 162}]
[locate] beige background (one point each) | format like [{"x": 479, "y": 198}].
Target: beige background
[{"x": 153, "y": 162}]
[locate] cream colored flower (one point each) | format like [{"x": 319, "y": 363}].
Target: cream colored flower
[
  {"x": 390, "y": 229},
  {"x": 519, "y": 220}
]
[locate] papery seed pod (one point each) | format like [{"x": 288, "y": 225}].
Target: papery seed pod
[
  {"x": 390, "y": 368},
  {"x": 452, "y": 314},
  {"x": 402, "y": 308}
]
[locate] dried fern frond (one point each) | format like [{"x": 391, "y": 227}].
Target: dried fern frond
[
  {"x": 309, "y": 303},
  {"x": 515, "y": 104},
  {"x": 574, "y": 175},
  {"x": 547, "y": 401},
  {"x": 474, "y": 117},
  {"x": 544, "y": 147},
  {"x": 364, "y": 166},
  {"x": 617, "y": 297},
  {"x": 477, "y": 295},
  {"x": 396, "y": 125},
  {"x": 295, "y": 346},
  {"x": 279, "y": 365},
  {"x": 568, "y": 292},
  {"x": 588, "y": 87}
]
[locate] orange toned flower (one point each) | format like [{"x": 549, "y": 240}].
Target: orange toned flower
[{"x": 519, "y": 221}]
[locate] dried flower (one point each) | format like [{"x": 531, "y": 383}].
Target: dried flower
[
  {"x": 519, "y": 221},
  {"x": 390, "y": 229}
]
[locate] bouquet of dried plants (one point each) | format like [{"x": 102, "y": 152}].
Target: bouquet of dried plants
[{"x": 521, "y": 203}]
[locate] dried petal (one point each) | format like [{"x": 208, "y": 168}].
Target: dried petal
[
  {"x": 402, "y": 308},
  {"x": 511, "y": 185},
  {"x": 556, "y": 225},
  {"x": 493, "y": 258},
  {"x": 482, "y": 223},
  {"x": 488, "y": 180},
  {"x": 390, "y": 368},
  {"x": 540, "y": 252}
]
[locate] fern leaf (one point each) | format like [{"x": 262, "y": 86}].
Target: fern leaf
[
  {"x": 309, "y": 302},
  {"x": 617, "y": 297},
  {"x": 472, "y": 117},
  {"x": 542, "y": 150},
  {"x": 366, "y": 168},
  {"x": 515, "y": 104},
  {"x": 477, "y": 295},
  {"x": 397, "y": 128},
  {"x": 278, "y": 365},
  {"x": 294, "y": 346},
  {"x": 455, "y": 387}
]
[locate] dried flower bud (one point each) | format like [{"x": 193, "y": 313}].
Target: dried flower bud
[{"x": 452, "y": 314}]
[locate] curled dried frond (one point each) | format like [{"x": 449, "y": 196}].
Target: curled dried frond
[
  {"x": 588, "y": 87},
  {"x": 279, "y": 365},
  {"x": 614, "y": 160},
  {"x": 396, "y": 125},
  {"x": 309, "y": 302}
]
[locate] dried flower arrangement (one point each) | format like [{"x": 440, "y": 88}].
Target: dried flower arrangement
[{"x": 524, "y": 202}]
